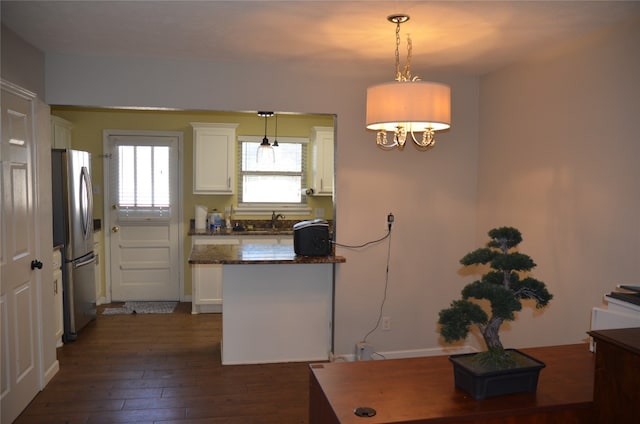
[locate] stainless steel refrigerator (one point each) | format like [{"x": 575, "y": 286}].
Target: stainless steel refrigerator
[{"x": 72, "y": 198}]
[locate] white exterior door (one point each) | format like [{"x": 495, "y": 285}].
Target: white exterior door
[
  {"x": 19, "y": 325},
  {"x": 144, "y": 216}
]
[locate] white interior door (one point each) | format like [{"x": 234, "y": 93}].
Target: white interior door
[
  {"x": 19, "y": 325},
  {"x": 144, "y": 216}
]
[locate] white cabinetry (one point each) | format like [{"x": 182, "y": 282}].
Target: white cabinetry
[
  {"x": 322, "y": 166},
  {"x": 60, "y": 133},
  {"x": 57, "y": 296},
  {"x": 97, "y": 248},
  {"x": 206, "y": 279},
  {"x": 213, "y": 158}
]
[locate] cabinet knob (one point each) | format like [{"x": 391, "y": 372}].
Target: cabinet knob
[
  {"x": 115, "y": 229},
  {"x": 36, "y": 264}
]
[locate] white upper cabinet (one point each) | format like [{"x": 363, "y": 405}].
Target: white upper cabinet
[
  {"x": 213, "y": 158},
  {"x": 322, "y": 160},
  {"x": 60, "y": 133}
]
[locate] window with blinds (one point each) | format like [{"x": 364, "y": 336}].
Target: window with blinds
[
  {"x": 143, "y": 181},
  {"x": 278, "y": 182}
]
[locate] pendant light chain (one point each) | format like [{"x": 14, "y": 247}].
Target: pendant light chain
[
  {"x": 398, "y": 73},
  {"x": 405, "y": 74}
]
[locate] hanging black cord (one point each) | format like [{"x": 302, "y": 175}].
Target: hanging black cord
[
  {"x": 388, "y": 235},
  {"x": 386, "y": 286}
]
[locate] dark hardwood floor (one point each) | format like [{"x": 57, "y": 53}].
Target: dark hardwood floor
[{"x": 165, "y": 368}]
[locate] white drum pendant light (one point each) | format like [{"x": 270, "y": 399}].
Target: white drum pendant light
[{"x": 407, "y": 105}]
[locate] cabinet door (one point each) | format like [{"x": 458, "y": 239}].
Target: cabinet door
[
  {"x": 207, "y": 289},
  {"x": 57, "y": 299},
  {"x": 323, "y": 169},
  {"x": 60, "y": 133},
  {"x": 214, "y": 158},
  {"x": 206, "y": 279}
]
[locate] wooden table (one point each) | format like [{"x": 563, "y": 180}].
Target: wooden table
[
  {"x": 421, "y": 390},
  {"x": 617, "y": 375}
]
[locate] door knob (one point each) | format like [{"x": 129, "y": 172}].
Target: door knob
[
  {"x": 36, "y": 264},
  {"x": 115, "y": 228}
]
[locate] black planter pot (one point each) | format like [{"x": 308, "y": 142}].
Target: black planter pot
[{"x": 483, "y": 384}]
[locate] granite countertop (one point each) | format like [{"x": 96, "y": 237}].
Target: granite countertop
[
  {"x": 203, "y": 232},
  {"x": 244, "y": 254}
]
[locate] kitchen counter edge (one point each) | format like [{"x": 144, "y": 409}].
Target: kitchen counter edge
[{"x": 254, "y": 254}]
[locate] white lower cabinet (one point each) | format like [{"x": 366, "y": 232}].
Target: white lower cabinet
[
  {"x": 206, "y": 279},
  {"x": 57, "y": 296},
  {"x": 207, "y": 288}
]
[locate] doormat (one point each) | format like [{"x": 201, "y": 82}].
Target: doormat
[{"x": 142, "y": 308}]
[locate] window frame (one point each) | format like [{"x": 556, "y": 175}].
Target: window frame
[{"x": 251, "y": 208}]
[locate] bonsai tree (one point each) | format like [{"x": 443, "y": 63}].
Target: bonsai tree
[{"x": 504, "y": 286}]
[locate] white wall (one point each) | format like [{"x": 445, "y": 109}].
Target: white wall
[
  {"x": 21, "y": 63},
  {"x": 558, "y": 158},
  {"x": 432, "y": 194}
]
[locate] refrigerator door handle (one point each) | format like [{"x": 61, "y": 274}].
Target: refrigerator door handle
[
  {"x": 85, "y": 262},
  {"x": 86, "y": 202}
]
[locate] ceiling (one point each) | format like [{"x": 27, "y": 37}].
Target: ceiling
[{"x": 469, "y": 37}]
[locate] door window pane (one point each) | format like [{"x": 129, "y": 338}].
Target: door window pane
[{"x": 143, "y": 173}]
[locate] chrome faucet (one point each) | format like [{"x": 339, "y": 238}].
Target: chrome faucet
[{"x": 274, "y": 219}]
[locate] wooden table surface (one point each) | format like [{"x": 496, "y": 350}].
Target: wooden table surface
[{"x": 422, "y": 390}]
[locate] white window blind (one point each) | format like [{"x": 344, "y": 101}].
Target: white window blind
[
  {"x": 277, "y": 182},
  {"x": 143, "y": 181}
]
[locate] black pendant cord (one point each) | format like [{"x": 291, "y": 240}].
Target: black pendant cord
[
  {"x": 265, "y": 140},
  {"x": 275, "y": 141}
]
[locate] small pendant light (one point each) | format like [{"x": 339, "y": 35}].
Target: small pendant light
[{"x": 265, "y": 153}]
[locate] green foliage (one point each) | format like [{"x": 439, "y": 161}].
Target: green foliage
[
  {"x": 503, "y": 302},
  {"x": 502, "y": 286},
  {"x": 530, "y": 288},
  {"x": 456, "y": 320},
  {"x": 513, "y": 262},
  {"x": 479, "y": 256},
  {"x": 504, "y": 237},
  {"x": 494, "y": 277}
]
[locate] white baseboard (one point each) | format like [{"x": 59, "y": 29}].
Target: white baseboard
[
  {"x": 412, "y": 353},
  {"x": 49, "y": 373},
  {"x": 206, "y": 309}
]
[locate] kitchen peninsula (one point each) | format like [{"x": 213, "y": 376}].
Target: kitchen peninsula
[{"x": 276, "y": 306}]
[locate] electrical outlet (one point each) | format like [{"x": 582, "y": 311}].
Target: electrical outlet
[
  {"x": 386, "y": 323},
  {"x": 364, "y": 351}
]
